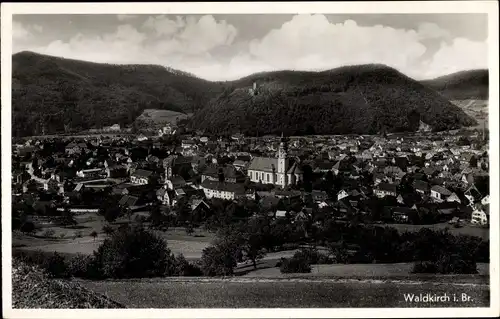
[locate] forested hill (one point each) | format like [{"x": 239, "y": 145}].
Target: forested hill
[
  {"x": 464, "y": 85},
  {"x": 362, "y": 99},
  {"x": 58, "y": 91},
  {"x": 52, "y": 95}
]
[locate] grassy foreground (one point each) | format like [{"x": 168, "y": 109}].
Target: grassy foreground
[
  {"x": 290, "y": 293},
  {"x": 31, "y": 288}
]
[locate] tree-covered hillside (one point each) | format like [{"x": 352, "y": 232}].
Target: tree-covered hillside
[
  {"x": 464, "y": 85},
  {"x": 361, "y": 99},
  {"x": 49, "y": 92}
]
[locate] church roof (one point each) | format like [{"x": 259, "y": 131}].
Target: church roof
[{"x": 266, "y": 164}]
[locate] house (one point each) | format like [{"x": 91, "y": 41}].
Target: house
[
  {"x": 142, "y": 177},
  {"x": 188, "y": 144},
  {"x": 342, "y": 194},
  {"x": 240, "y": 165},
  {"x": 280, "y": 214},
  {"x": 385, "y": 189},
  {"x": 322, "y": 166},
  {"x": 439, "y": 193},
  {"x": 481, "y": 215},
  {"x": 142, "y": 138},
  {"x": 319, "y": 196},
  {"x": 200, "y": 210},
  {"x": 278, "y": 171},
  {"x": 116, "y": 171},
  {"x": 73, "y": 148},
  {"x": 421, "y": 187},
  {"x": 128, "y": 201},
  {"x": 227, "y": 173},
  {"x": 175, "y": 182},
  {"x": 402, "y": 214},
  {"x": 281, "y": 193},
  {"x": 121, "y": 189},
  {"x": 20, "y": 177},
  {"x": 453, "y": 198},
  {"x": 91, "y": 173},
  {"x": 222, "y": 190},
  {"x": 165, "y": 196},
  {"x": 174, "y": 164},
  {"x": 112, "y": 128}
]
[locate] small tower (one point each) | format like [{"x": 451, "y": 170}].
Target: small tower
[{"x": 282, "y": 162}]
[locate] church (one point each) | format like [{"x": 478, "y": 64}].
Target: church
[{"x": 279, "y": 171}]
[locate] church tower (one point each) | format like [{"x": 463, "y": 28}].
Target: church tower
[{"x": 282, "y": 162}]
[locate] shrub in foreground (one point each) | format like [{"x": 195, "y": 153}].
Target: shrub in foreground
[
  {"x": 313, "y": 256},
  {"x": 181, "y": 267},
  {"x": 133, "y": 253},
  {"x": 52, "y": 263},
  {"x": 31, "y": 288},
  {"x": 84, "y": 266},
  {"x": 218, "y": 260},
  {"x": 446, "y": 265},
  {"x": 296, "y": 264}
]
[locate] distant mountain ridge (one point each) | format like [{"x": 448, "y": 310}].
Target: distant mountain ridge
[
  {"x": 52, "y": 94},
  {"x": 463, "y": 85}
]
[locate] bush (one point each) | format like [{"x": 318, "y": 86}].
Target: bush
[
  {"x": 108, "y": 230},
  {"x": 313, "y": 256},
  {"x": 28, "y": 228},
  {"x": 49, "y": 233},
  {"x": 446, "y": 264},
  {"x": 56, "y": 266},
  {"x": 53, "y": 263},
  {"x": 133, "y": 253},
  {"x": 425, "y": 267},
  {"x": 181, "y": 267},
  {"x": 84, "y": 266},
  {"x": 296, "y": 264},
  {"x": 218, "y": 260}
]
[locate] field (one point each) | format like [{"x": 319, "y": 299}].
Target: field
[
  {"x": 159, "y": 118},
  {"x": 177, "y": 239},
  {"x": 355, "y": 271},
  {"x": 276, "y": 293}
]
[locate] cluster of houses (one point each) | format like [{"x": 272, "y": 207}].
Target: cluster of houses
[{"x": 443, "y": 173}]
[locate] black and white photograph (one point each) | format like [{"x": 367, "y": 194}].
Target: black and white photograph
[{"x": 250, "y": 156}]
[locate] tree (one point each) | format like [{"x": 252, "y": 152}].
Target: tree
[
  {"x": 296, "y": 264},
  {"x": 126, "y": 211},
  {"x": 107, "y": 229},
  {"x": 49, "y": 233},
  {"x": 111, "y": 213},
  {"x": 133, "y": 252},
  {"x": 68, "y": 217},
  {"x": 219, "y": 259},
  {"x": 28, "y": 228},
  {"x": 473, "y": 161},
  {"x": 158, "y": 218},
  {"x": 189, "y": 229},
  {"x": 251, "y": 237},
  {"x": 94, "y": 234}
]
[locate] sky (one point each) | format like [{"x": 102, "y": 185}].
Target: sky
[{"x": 226, "y": 47}]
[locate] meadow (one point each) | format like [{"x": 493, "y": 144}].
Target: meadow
[
  {"x": 78, "y": 239},
  {"x": 269, "y": 293}
]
